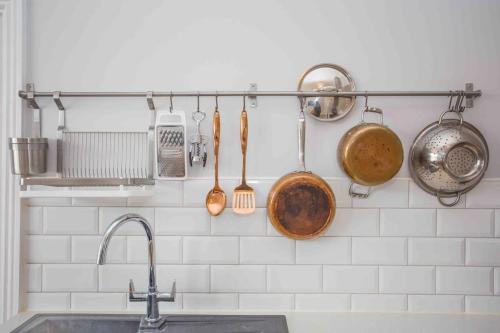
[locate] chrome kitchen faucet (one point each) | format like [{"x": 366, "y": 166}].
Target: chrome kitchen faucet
[{"x": 152, "y": 321}]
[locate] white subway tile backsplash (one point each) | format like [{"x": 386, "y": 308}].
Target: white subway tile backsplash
[
  {"x": 115, "y": 277},
  {"x": 378, "y": 303},
  {"x": 464, "y": 280},
  {"x": 355, "y": 222},
  {"x": 436, "y": 251},
  {"x": 33, "y": 277},
  {"x": 323, "y": 302},
  {"x": 379, "y": 251},
  {"x": 465, "y": 222},
  {"x": 48, "y": 249},
  {"x": 165, "y": 193},
  {"x": 497, "y": 281},
  {"x": 84, "y": 249},
  {"x": 214, "y": 302},
  {"x": 236, "y": 278},
  {"x": 71, "y": 220},
  {"x": 436, "y": 303},
  {"x": 482, "y": 304},
  {"x": 421, "y": 199},
  {"x": 341, "y": 189},
  {"x": 182, "y": 221},
  {"x": 69, "y": 277},
  {"x": 267, "y": 250},
  {"x": 407, "y": 222},
  {"x": 42, "y": 201},
  {"x": 140, "y": 307},
  {"x": 108, "y": 214},
  {"x": 497, "y": 223},
  {"x": 324, "y": 250},
  {"x": 195, "y": 191},
  {"x": 99, "y": 202},
  {"x": 261, "y": 188},
  {"x": 485, "y": 195},
  {"x": 47, "y": 301},
  {"x": 407, "y": 280},
  {"x": 482, "y": 252},
  {"x": 34, "y": 220},
  {"x": 393, "y": 194},
  {"x": 294, "y": 278},
  {"x": 98, "y": 301},
  {"x": 168, "y": 249},
  {"x": 189, "y": 278},
  {"x": 210, "y": 250},
  {"x": 230, "y": 223},
  {"x": 350, "y": 279},
  {"x": 266, "y": 302}
]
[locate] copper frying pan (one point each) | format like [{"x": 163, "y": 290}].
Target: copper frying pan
[{"x": 301, "y": 205}]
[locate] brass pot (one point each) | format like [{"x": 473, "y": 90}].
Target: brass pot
[{"x": 370, "y": 153}]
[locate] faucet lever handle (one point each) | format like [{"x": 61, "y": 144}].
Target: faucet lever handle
[
  {"x": 168, "y": 297},
  {"x": 133, "y": 296}
]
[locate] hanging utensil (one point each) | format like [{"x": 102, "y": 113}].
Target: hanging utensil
[
  {"x": 244, "y": 195},
  {"x": 198, "y": 147},
  {"x": 301, "y": 205},
  {"x": 370, "y": 153},
  {"x": 449, "y": 157},
  {"x": 216, "y": 198}
]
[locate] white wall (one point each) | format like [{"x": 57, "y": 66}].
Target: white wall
[{"x": 376, "y": 256}]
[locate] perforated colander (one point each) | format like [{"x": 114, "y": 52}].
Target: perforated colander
[{"x": 448, "y": 158}]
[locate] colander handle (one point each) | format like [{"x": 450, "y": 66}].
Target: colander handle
[
  {"x": 449, "y": 204},
  {"x": 373, "y": 110},
  {"x": 459, "y": 114}
]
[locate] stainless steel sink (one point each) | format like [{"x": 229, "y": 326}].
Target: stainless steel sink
[{"x": 86, "y": 323}]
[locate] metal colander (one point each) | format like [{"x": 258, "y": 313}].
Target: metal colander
[{"x": 448, "y": 158}]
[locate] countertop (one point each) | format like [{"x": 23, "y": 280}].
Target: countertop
[{"x": 326, "y": 322}]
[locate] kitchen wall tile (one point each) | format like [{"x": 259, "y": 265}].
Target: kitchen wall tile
[
  {"x": 464, "y": 280},
  {"x": 271, "y": 230},
  {"x": 210, "y": 302},
  {"x": 267, "y": 250},
  {"x": 182, "y": 221},
  {"x": 497, "y": 281},
  {"x": 108, "y": 214},
  {"x": 47, "y": 301},
  {"x": 98, "y": 301},
  {"x": 465, "y": 222},
  {"x": 115, "y": 277},
  {"x": 266, "y": 302},
  {"x": 55, "y": 202},
  {"x": 323, "y": 302},
  {"x": 165, "y": 193},
  {"x": 230, "y": 223},
  {"x": 33, "y": 277},
  {"x": 379, "y": 251},
  {"x": 195, "y": 191},
  {"x": 233, "y": 278},
  {"x": 138, "y": 307},
  {"x": 261, "y": 188},
  {"x": 407, "y": 222},
  {"x": 350, "y": 279},
  {"x": 99, "y": 202},
  {"x": 436, "y": 251},
  {"x": 393, "y": 194},
  {"x": 210, "y": 250},
  {"x": 497, "y": 223},
  {"x": 341, "y": 189},
  {"x": 33, "y": 220},
  {"x": 355, "y": 222},
  {"x": 324, "y": 250},
  {"x": 484, "y": 195},
  {"x": 168, "y": 249},
  {"x": 436, "y": 303},
  {"x": 189, "y": 278},
  {"x": 407, "y": 280},
  {"x": 47, "y": 249},
  {"x": 378, "y": 303},
  {"x": 482, "y": 252},
  {"x": 84, "y": 249},
  {"x": 70, "y": 220},
  {"x": 291, "y": 278},
  {"x": 482, "y": 304},
  {"x": 421, "y": 199},
  {"x": 70, "y": 278}
]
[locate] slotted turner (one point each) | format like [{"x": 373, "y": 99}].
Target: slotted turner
[{"x": 244, "y": 195}]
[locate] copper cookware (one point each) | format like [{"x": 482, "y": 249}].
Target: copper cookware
[
  {"x": 370, "y": 153},
  {"x": 301, "y": 205}
]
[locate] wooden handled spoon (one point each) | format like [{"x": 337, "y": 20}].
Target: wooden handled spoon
[{"x": 216, "y": 198}]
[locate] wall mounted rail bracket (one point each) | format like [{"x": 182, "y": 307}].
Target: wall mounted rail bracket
[
  {"x": 61, "y": 127},
  {"x": 253, "y": 99},
  {"x": 469, "y": 100},
  {"x": 30, "y": 96}
]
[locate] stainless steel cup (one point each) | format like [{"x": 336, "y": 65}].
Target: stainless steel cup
[{"x": 28, "y": 155}]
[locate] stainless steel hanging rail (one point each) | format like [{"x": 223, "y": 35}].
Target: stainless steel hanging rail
[{"x": 468, "y": 94}]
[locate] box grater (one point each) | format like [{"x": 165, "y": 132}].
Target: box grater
[{"x": 170, "y": 129}]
